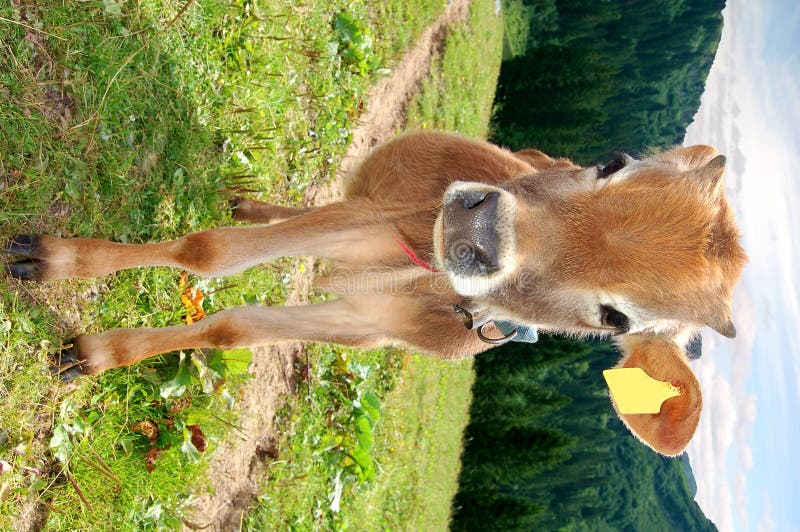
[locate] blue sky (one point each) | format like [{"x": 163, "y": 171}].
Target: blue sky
[{"x": 745, "y": 453}]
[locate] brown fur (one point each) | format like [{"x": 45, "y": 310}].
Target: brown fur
[{"x": 657, "y": 239}]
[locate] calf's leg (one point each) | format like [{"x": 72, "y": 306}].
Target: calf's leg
[
  {"x": 347, "y": 231},
  {"x": 342, "y": 322},
  {"x": 257, "y": 212}
]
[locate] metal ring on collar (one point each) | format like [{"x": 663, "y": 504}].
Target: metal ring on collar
[{"x": 496, "y": 341}]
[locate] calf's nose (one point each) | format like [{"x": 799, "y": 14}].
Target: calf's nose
[{"x": 475, "y": 217}]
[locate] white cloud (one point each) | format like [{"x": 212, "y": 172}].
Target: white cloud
[
  {"x": 723, "y": 502},
  {"x": 722, "y": 413},
  {"x": 748, "y": 409},
  {"x": 751, "y": 112},
  {"x": 740, "y": 496},
  {"x": 767, "y": 524},
  {"x": 746, "y": 456},
  {"x": 709, "y": 447},
  {"x": 723, "y": 432},
  {"x": 720, "y": 453}
]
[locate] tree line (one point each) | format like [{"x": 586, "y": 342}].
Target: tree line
[
  {"x": 605, "y": 75},
  {"x": 544, "y": 449}
]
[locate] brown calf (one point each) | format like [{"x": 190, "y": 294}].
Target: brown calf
[{"x": 646, "y": 250}]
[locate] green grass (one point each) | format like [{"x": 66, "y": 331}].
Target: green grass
[
  {"x": 458, "y": 95},
  {"x": 134, "y": 121},
  {"x": 425, "y": 405},
  {"x": 421, "y": 439},
  {"x": 418, "y": 439}
]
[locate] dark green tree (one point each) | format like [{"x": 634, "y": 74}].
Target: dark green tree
[{"x": 607, "y": 75}]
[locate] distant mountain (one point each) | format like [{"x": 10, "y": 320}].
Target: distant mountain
[
  {"x": 665, "y": 489},
  {"x": 689, "y": 474},
  {"x": 544, "y": 450}
]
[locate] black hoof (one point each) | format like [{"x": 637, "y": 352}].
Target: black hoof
[
  {"x": 68, "y": 356},
  {"x": 70, "y": 374},
  {"x": 26, "y": 270},
  {"x": 66, "y": 364},
  {"x": 22, "y": 245}
]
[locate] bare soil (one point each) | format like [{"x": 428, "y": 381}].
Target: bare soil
[{"x": 238, "y": 466}]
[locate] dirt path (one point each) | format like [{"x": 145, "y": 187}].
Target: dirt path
[{"x": 241, "y": 462}]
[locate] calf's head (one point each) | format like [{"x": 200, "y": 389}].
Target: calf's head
[{"x": 646, "y": 250}]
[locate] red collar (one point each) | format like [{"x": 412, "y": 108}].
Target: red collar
[{"x": 413, "y": 256}]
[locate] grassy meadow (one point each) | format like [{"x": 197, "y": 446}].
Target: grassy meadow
[{"x": 135, "y": 121}]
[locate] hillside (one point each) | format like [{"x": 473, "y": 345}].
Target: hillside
[
  {"x": 545, "y": 450},
  {"x": 601, "y": 76}
]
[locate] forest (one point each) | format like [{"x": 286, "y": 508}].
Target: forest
[
  {"x": 544, "y": 449},
  {"x": 583, "y": 77}
]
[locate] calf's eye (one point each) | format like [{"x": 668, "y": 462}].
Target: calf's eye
[
  {"x": 611, "y": 317},
  {"x": 612, "y": 167}
]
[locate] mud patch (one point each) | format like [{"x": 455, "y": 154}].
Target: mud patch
[{"x": 243, "y": 460}]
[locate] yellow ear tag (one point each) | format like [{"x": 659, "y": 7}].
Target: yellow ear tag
[{"x": 636, "y": 392}]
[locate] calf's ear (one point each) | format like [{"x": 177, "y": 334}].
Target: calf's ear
[
  {"x": 700, "y": 155},
  {"x": 667, "y": 432}
]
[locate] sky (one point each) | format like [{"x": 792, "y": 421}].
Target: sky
[{"x": 745, "y": 453}]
